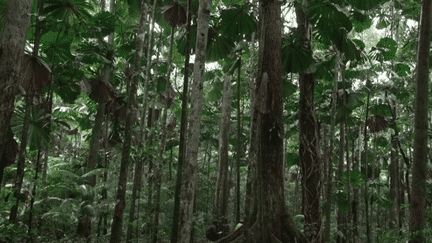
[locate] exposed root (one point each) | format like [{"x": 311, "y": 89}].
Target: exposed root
[{"x": 254, "y": 235}]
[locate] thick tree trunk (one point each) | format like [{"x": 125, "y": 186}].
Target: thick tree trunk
[
  {"x": 12, "y": 42},
  {"x": 309, "y": 159},
  {"x": 270, "y": 222},
  {"x": 116, "y": 227},
  {"x": 419, "y": 170},
  {"x": 188, "y": 190}
]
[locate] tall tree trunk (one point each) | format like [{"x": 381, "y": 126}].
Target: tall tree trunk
[
  {"x": 341, "y": 216},
  {"x": 239, "y": 146},
  {"x": 251, "y": 176},
  {"x": 355, "y": 201},
  {"x": 221, "y": 196},
  {"x": 151, "y": 119},
  {"x": 188, "y": 190},
  {"x": 12, "y": 43},
  {"x": 163, "y": 139},
  {"x": 116, "y": 227},
  {"x": 38, "y": 160},
  {"x": 84, "y": 224},
  {"x": 183, "y": 130},
  {"x": 366, "y": 166},
  {"x": 271, "y": 221},
  {"x": 309, "y": 159},
  {"x": 419, "y": 170}
]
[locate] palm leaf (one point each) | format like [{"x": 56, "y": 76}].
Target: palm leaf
[
  {"x": 237, "y": 22},
  {"x": 69, "y": 11},
  {"x": 331, "y": 24},
  {"x": 365, "y": 4}
]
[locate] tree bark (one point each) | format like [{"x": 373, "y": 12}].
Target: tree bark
[
  {"x": 183, "y": 130},
  {"x": 419, "y": 170},
  {"x": 12, "y": 43},
  {"x": 188, "y": 190},
  {"x": 394, "y": 185},
  {"x": 21, "y": 161},
  {"x": 116, "y": 227},
  {"x": 309, "y": 159},
  {"x": 341, "y": 216},
  {"x": 221, "y": 205},
  {"x": 270, "y": 222},
  {"x": 239, "y": 146}
]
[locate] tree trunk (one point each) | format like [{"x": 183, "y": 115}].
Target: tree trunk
[
  {"x": 270, "y": 222},
  {"x": 40, "y": 149},
  {"x": 222, "y": 190},
  {"x": 341, "y": 216},
  {"x": 419, "y": 170},
  {"x": 251, "y": 176},
  {"x": 183, "y": 130},
  {"x": 188, "y": 190},
  {"x": 116, "y": 227},
  {"x": 366, "y": 166},
  {"x": 12, "y": 43},
  {"x": 394, "y": 185},
  {"x": 21, "y": 160},
  {"x": 239, "y": 146},
  {"x": 103, "y": 216},
  {"x": 309, "y": 159},
  {"x": 163, "y": 139}
]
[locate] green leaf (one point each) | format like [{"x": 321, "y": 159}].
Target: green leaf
[
  {"x": 288, "y": 89},
  {"x": 66, "y": 83},
  {"x": 383, "y": 202},
  {"x": 381, "y": 141},
  {"x": 69, "y": 10},
  {"x": 292, "y": 159},
  {"x": 385, "y": 50},
  {"x": 350, "y": 49},
  {"x": 57, "y": 48},
  {"x": 161, "y": 84},
  {"x": 402, "y": 69},
  {"x": 219, "y": 45},
  {"x": 380, "y": 109},
  {"x": 172, "y": 143},
  {"x": 295, "y": 58},
  {"x": 330, "y": 23},
  {"x": 162, "y": 67},
  {"x": 216, "y": 93},
  {"x": 365, "y": 4},
  {"x": 359, "y": 43},
  {"x": 343, "y": 206},
  {"x": 236, "y": 22},
  {"x": 382, "y": 23},
  {"x": 356, "y": 177},
  {"x": 324, "y": 70},
  {"x": 212, "y": 74},
  {"x": 181, "y": 42},
  {"x": 360, "y": 21},
  {"x": 354, "y": 100},
  {"x": 102, "y": 25}
]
